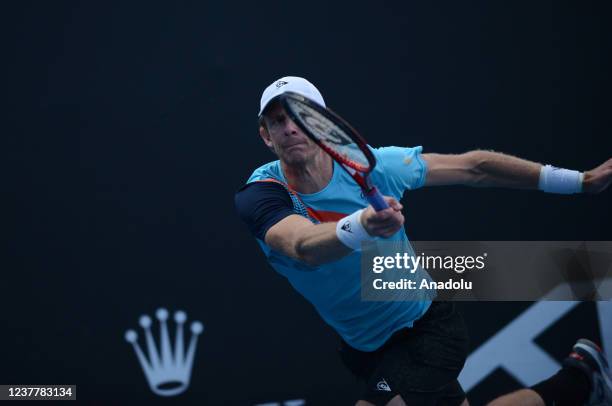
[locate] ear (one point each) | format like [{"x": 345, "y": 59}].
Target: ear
[{"x": 265, "y": 136}]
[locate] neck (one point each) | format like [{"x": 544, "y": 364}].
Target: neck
[{"x": 309, "y": 177}]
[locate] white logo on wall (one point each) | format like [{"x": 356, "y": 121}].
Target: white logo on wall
[
  {"x": 514, "y": 348},
  {"x": 167, "y": 373}
]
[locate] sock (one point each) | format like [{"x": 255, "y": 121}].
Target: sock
[{"x": 569, "y": 386}]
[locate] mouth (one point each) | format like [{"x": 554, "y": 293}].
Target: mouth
[{"x": 295, "y": 145}]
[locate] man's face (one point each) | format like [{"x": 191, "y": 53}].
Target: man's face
[{"x": 285, "y": 138}]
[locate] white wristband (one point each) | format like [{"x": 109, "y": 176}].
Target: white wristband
[
  {"x": 559, "y": 180},
  {"x": 350, "y": 231}
]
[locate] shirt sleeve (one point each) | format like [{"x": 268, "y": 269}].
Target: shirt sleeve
[
  {"x": 261, "y": 205},
  {"x": 402, "y": 168}
]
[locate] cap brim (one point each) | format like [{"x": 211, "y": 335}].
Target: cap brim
[{"x": 272, "y": 100}]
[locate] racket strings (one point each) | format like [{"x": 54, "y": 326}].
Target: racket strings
[{"x": 330, "y": 134}]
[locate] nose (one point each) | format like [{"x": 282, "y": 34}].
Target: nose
[{"x": 290, "y": 127}]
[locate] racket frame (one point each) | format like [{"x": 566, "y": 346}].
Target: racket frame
[{"x": 357, "y": 171}]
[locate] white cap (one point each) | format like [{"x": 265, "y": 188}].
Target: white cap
[{"x": 290, "y": 84}]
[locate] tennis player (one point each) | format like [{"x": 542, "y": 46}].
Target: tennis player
[{"x": 310, "y": 218}]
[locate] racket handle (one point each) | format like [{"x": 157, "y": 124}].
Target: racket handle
[{"x": 376, "y": 199}]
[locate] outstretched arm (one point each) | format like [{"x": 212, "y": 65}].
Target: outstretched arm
[{"x": 493, "y": 169}]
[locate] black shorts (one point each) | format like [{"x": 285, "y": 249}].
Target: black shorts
[{"x": 421, "y": 364}]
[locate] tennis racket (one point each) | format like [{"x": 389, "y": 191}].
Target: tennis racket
[{"x": 336, "y": 137}]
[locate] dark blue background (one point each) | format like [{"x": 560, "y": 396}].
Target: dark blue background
[{"x": 129, "y": 125}]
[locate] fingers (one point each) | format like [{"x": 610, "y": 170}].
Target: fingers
[
  {"x": 386, "y": 215},
  {"x": 387, "y": 231},
  {"x": 393, "y": 203},
  {"x": 599, "y": 179},
  {"x": 386, "y": 222},
  {"x": 390, "y": 230}
]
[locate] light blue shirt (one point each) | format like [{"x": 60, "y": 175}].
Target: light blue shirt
[{"x": 334, "y": 288}]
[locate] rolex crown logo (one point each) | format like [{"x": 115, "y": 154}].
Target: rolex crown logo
[{"x": 167, "y": 371}]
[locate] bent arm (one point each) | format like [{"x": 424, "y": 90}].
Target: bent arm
[
  {"x": 316, "y": 244},
  {"x": 267, "y": 209},
  {"x": 299, "y": 238},
  {"x": 481, "y": 169}
]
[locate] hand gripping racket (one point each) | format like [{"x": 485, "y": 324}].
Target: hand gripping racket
[{"x": 341, "y": 141}]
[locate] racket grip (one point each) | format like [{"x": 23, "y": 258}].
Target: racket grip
[{"x": 376, "y": 199}]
